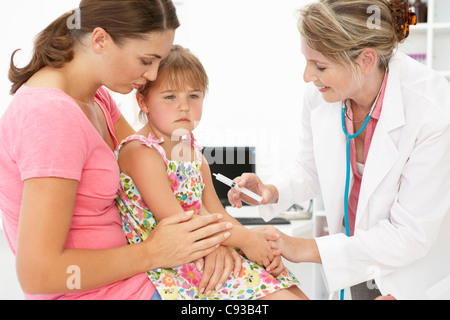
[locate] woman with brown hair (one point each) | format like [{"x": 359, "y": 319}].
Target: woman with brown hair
[
  {"x": 375, "y": 147},
  {"x": 59, "y": 176}
]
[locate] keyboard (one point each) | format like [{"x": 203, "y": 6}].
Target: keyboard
[{"x": 260, "y": 221}]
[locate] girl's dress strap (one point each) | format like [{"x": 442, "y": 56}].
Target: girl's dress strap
[
  {"x": 151, "y": 141},
  {"x": 191, "y": 139}
]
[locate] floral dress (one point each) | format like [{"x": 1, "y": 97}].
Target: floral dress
[{"x": 181, "y": 283}]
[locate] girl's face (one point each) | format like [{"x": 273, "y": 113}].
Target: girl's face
[
  {"x": 172, "y": 113},
  {"x": 333, "y": 80},
  {"x": 128, "y": 66}
]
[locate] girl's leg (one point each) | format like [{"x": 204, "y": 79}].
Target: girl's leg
[
  {"x": 299, "y": 293},
  {"x": 293, "y": 293}
]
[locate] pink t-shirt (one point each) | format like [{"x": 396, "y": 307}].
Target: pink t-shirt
[
  {"x": 357, "y": 176},
  {"x": 44, "y": 133}
]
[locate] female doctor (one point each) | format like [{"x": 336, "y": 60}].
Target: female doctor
[{"x": 384, "y": 117}]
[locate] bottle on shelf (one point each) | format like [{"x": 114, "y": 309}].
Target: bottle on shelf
[{"x": 420, "y": 8}]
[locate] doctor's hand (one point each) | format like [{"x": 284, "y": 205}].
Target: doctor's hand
[
  {"x": 253, "y": 183},
  {"x": 292, "y": 248},
  {"x": 256, "y": 247}
]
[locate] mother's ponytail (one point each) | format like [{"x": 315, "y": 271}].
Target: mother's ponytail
[
  {"x": 53, "y": 47},
  {"x": 122, "y": 19}
]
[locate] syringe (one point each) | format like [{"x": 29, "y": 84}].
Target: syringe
[{"x": 233, "y": 184}]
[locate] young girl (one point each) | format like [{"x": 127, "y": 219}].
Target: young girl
[{"x": 163, "y": 171}]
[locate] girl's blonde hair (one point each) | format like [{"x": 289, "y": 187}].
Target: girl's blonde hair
[
  {"x": 180, "y": 69},
  {"x": 341, "y": 29}
]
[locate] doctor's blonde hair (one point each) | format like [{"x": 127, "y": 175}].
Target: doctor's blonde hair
[{"x": 340, "y": 31}]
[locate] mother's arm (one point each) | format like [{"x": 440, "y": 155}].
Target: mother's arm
[
  {"x": 123, "y": 129},
  {"x": 43, "y": 261}
]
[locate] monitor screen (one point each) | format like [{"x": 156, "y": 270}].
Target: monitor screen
[{"x": 230, "y": 162}]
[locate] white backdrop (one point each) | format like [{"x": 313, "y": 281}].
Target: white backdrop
[{"x": 250, "y": 49}]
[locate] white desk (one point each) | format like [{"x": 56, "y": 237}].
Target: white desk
[{"x": 295, "y": 229}]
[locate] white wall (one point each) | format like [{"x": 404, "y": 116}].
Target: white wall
[
  {"x": 250, "y": 49},
  {"x": 20, "y": 22}
]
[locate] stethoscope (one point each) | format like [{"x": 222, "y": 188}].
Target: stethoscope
[{"x": 349, "y": 139}]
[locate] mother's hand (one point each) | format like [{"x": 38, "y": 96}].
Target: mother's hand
[
  {"x": 217, "y": 267},
  {"x": 178, "y": 239}
]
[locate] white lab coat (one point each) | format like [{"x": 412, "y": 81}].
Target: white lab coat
[{"x": 402, "y": 230}]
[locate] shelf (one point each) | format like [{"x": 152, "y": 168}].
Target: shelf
[
  {"x": 430, "y": 39},
  {"x": 423, "y": 26},
  {"x": 441, "y": 26}
]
